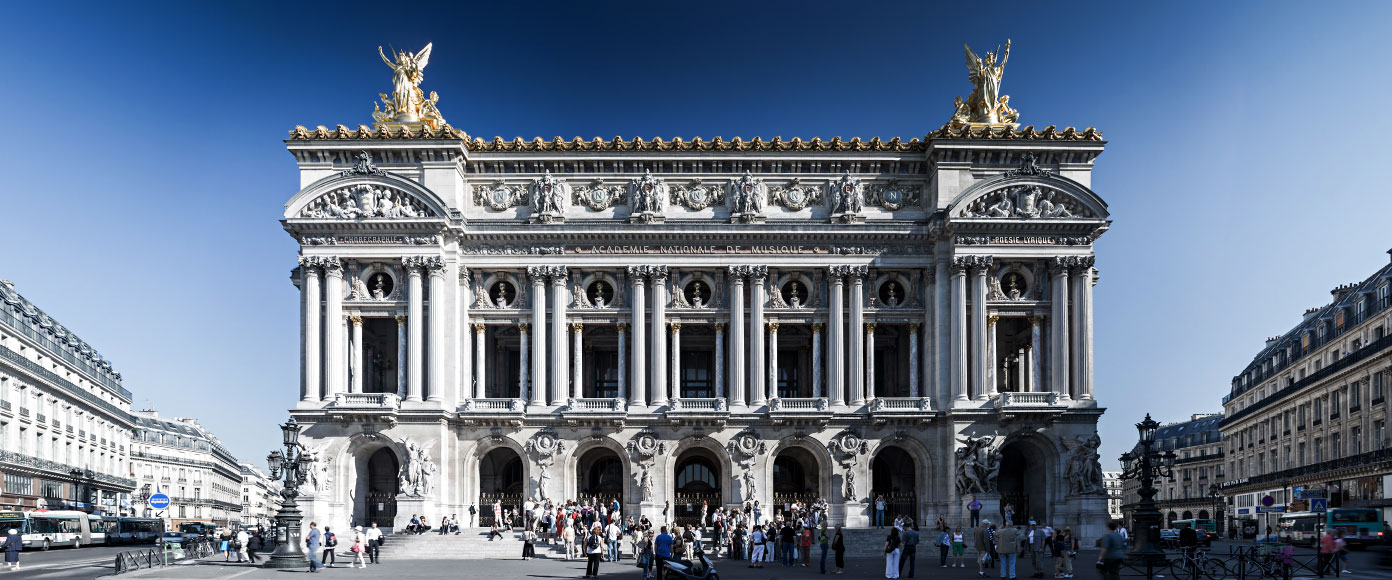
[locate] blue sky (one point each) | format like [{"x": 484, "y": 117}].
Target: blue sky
[{"x": 145, "y": 174}]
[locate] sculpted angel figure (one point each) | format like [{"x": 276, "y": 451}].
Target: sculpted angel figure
[
  {"x": 407, "y": 72},
  {"x": 985, "y": 76}
]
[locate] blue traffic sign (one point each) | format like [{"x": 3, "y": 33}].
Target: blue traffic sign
[
  {"x": 159, "y": 501},
  {"x": 1319, "y": 504},
  {"x": 1268, "y": 501}
]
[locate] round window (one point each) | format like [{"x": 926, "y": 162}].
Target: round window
[
  {"x": 600, "y": 293},
  {"x": 380, "y": 285},
  {"x": 794, "y": 293},
  {"x": 698, "y": 293},
  {"x": 502, "y": 294},
  {"x": 1014, "y": 285},
  {"x": 891, "y": 294}
]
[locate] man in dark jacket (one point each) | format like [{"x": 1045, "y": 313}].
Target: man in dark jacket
[{"x": 910, "y": 539}]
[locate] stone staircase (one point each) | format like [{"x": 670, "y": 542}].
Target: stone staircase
[{"x": 473, "y": 544}]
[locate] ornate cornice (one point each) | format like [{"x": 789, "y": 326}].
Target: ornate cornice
[
  {"x": 447, "y": 132},
  {"x": 364, "y": 132},
  {"x": 1006, "y": 132}
]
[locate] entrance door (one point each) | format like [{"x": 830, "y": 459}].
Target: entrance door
[{"x": 382, "y": 487}]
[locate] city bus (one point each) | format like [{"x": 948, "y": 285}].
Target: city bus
[
  {"x": 139, "y": 530},
  {"x": 99, "y": 527},
  {"x": 200, "y": 528},
  {"x": 1197, "y": 524},
  {"x": 1361, "y": 526},
  {"x": 44, "y": 529}
]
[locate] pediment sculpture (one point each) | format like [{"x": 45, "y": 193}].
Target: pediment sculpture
[
  {"x": 366, "y": 201},
  {"x": 1026, "y": 202}
]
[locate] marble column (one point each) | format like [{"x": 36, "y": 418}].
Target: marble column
[
  {"x": 658, "y": 388},
  {"x": 560, "y": 359},
  {"x": 943, "y": 308},
  {"x": 991, "y": 382},
  {"x": 1058, "y": 343},
  {"x": 623, "y": 360},
  {"x": 334, "y": 366},
  {"x": 816, "y": 359},
  {"x": 1035, "y": 368},
  {"x": 925, "y": 385},
  {"x": 356, "y": 364},
  {"x": 1022, "y": 369},
  {"x": 577, "y": 381},
  {"x": 757, "y": 369},
  {"x": 464, "y": 331},
  {"x": 870, "y": 361},
  {"x": 675, "y": 382},
  {"x": 524, "y": 379},
  {"x": 720, "y": 360},
  {"x": 1082, "y": 309},
  {"x": 311, "y": 389},
  {"x": 980, "y": 366},
  {"x": 638, "y": 381},
  {"x": 773, "y": 360},
  {"x": 537, "y": 276},
  {"x": 856, "y": 333},
  {"x": 436, "y": 356},
  {"x": 480, "y": 333},
  {"x": 959, "y": 330},
  {"x": 913, "y": 359},
  {"x": 401, "y": 326},
  {"x": 836, "y": 342},
  {"x": 736, "y": 274},
  {"x": 415, "y": 326}
]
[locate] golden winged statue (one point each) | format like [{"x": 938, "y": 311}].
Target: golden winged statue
[
  {"x": 407, "y": 103},
  {"x": 985, "y": 105}
]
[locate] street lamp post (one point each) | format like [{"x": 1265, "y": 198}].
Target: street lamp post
[
  {"x": 288, "y": 552},
  {"x": 1146, "y": 466},
  {"x": 1219, "y": 515}
]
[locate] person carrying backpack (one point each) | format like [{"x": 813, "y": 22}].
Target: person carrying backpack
[
  {"x": 330, "y": 542},
  {"x": 594, "y": 548}
]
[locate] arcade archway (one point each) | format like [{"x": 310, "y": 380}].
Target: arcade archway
[
  {"x": 796, "y": 477},
  {"x": 382, "y": 487},
  {"x": 1024, "y": 480},
  {"x": 599, "y": 476},
  {"x": 893, "y": 474},
  {"x": 502, "y": 481},
  {"x": 699, "y": 482}
]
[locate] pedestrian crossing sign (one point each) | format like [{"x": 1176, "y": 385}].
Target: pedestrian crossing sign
[{"x": 1319, "y": 504}]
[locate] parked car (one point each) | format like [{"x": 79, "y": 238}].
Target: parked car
[
  {"x": 1169, "y": 538},
  {"x": 179, "y": 538}
]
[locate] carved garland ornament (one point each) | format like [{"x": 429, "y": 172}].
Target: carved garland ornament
[
  {"x": 500, "y": 196},
  {"x": 697, "y": 196},
  {"x": 796, "y": 196},
  {"x": 598, "y": 197},
  {"x": 545, "y": 446},
  {"x": 847, "y": 446},
  {"x": 646, "y": 446},
  {"x": 746, "y": 446}
]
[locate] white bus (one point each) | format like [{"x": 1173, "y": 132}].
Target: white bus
[
  {"x": 44, "y": 529},
  {"x": 102, "y": 530}
]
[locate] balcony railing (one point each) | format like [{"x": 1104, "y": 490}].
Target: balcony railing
[
  {"x": 5, "y": 405},
  {"x": 41, "y": 418},
  {"x": 24, "y": 411},
  {"x": 596, "y": 405},
  {"x": 62, "y": 469},
  {"x": 493, "y": 406},
  {"x": 900, "y": 404},
  {"x": 81, "y": 433},
  {"x": 698, "y": 405},
  {"x": 383, "y": 401},
  {"x": 1013, "y": 399},
  {"x": 799, "y": 405}
]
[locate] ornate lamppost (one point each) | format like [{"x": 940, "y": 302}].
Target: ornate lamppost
[
  {"x": 1219, "y": 514},
  {"x": 288, "y": 552},
  {"x": 1145, "y": 465}
]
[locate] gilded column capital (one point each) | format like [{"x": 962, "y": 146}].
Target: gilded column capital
[
  {"x": 524, "y": 327},
  {"x": 577, "y": 327},
  {"x": 720, "y": 328},
  {"x": 1036, "y": 320},
  {"x": 817, "y": 327},
  {"x": 401, "y": 320},
  {"x": 773, "y": 327},
  {"x": 355, "y": 320},
  {"x": 870, "y": 328},
  {"x": 480, "y": 327},
  {"x": 623, "y": 327},
  {"x": 675, "y": 327},
  {"x": 913, "y": 328},
  {"x": 992, "y": 319}
]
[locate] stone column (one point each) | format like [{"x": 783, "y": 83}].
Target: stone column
[
  {"x": 857, "y": 336},
  {"x": 926, "y": 385},
  {"x": 675, "y": 386},
  {"x": 436, "y": 356},
  {"x": 537, "y": 276},
  {"x": 991, "y": 382},
  {"x": 870, "y": 361},
  {"x": 913, "y": 359},
  {"x": 465, "y": 333},
  {"x": 623, "y": 360},
  {"x": 658, "y": 275},
  {"x": 415, "y": 326},
  {"x": 720, "y": 360},
  {"x": 980, "y": 366},
  {"x": 311, "y": 389},
  {"x": 577, "y": 333},
  {"x": 942, "y": 334},
  {"x": 773, "y": 360},
  {"x": 356, "y": 364},
  {"x": 816, "y": 359},
  {"x": 757, "y": 371},
  {"x": 836, "y": 341},
  {"x": 1022, "y": 369},
  {"x": 638, "y": 383},
  {"x": 333, "y": 328},
  {"x": 959, "y": 330},
  {"x": 1082, "y": 309},
  {"x": 480, "y": 334},
  {"x": 525, "y": 390},
  {"x": 560, "y": 361},
  {"x": 401, "y": 326},
  {"x": 1035, "y": 371},
  {"x": 1058, "y": 339},
  {"x": 736, "y": 274}
]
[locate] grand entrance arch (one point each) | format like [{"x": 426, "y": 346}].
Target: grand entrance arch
[
  {"x": 382, "y": 487},
  {"x": 599, "y": 476},
  {"x": 894, "y": 475},
  {"x": 699, "y": 481},
  {"x": 501, "y": 479},
  {"x": 796, "y": 477},
  {"x": 1024, "y": 480}
]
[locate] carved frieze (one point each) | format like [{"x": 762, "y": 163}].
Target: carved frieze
[
  {"x": 697, "y": 195},
  {"x": 797, "y": 195},
  {"x": 893, "y": 195},
  {"x": 366, "y": 201}
]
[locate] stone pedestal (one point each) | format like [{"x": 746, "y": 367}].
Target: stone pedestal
[
  {"x": 408, "y": 505},
  {"x": 990, "y": 509}
]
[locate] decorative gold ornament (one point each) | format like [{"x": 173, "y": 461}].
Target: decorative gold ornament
[
  {"x": 407, "y": 103},
  {"x": 985, "y": 105}
]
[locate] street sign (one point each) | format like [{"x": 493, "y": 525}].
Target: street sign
[
  {"x": 1310, "y": 493},
  {"x": 159, "y": 501},
  {"x": 1268, "y": 501},
  {"x": 1280, "y": 509},
  {"x": 1319, "y": 504},
  {"x": 1299, "y": 505}
]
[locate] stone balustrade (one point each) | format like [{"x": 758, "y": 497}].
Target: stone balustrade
[{"x": 1011, "y": 399}]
